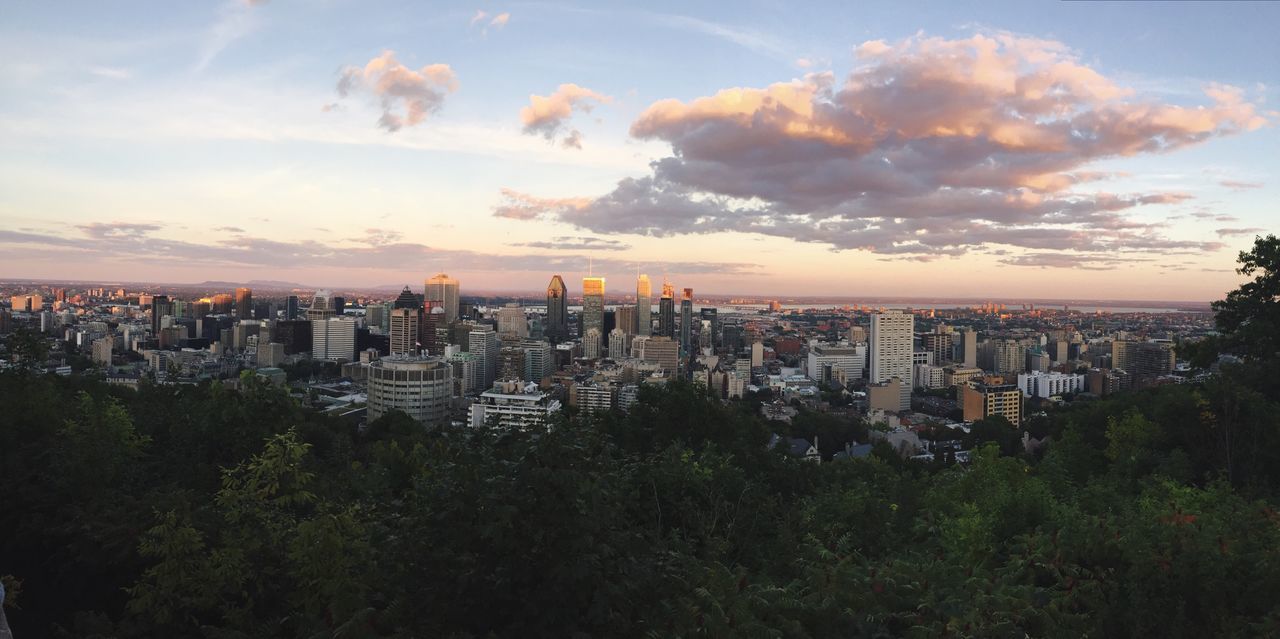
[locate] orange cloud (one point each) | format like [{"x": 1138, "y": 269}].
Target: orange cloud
[{"x": 549, "y": 115}]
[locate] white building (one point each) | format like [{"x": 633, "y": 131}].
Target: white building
[
  {"x": 421, "y": 387},
  {"x": 404, "y": 331},
  {"x": 617, "y": 344},
  {"x": 891, "y": 350},
  {"x": 512, "y": 323},
  {"x": 591, "y": 343},
  {"x": 927, "y": 376},
  {"x": 514, "y": 406},
  {"x": 824, "y": 356},
  {"x": 333, "y": 339},
  {"x": 1047, "y": 385}
]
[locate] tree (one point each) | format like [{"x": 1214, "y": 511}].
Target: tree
[{"x": 1249, "y": 317}]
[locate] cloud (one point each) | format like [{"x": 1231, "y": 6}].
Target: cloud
[
  {"x": 111, "y": 73},
  {"x": 1244, "y": 231},
  {"x": 481, "y": 17},
  {"x": 230, "y": 229},
  {"x": 577, "y": 243},
  {"x": 1066, "y": 260},
  {"x": 929, "y": 147},
  {"x": 549, "y": 115},
  {"x": 236, "y": 19},
  {"x": 500, "y": 20},
  {"x": 406, "y": 96},
  {"x": 132, "y": 242},
  {"x": 478, "y": 17},
  {"x": 117, "y": 230},
  {"x": 1240, "y": 186}
]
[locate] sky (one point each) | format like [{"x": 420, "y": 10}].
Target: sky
[{"x": 1040, "y": 149}]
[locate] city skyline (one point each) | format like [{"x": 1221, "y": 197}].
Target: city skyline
[{"x": 748, "y": 155}]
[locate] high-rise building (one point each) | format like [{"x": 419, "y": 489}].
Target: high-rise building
[
  {"x": 711, "y": 317},
  {"x": 967, "y": 352},
  {"x": 442, "y": 291},
  {"x": 482, "y": 341},
  {"x": 556, "y": 327},
  {"x": 686, "y": 321},
  {"x": 663, "y": 351},
  {"x": 421, "y": 387},
  {"x": 520, "y": 406},
  {"x": 321, "y": 306},
  {"x": 591, "y": 343},
  {"x": 404, "y": 331},
  {"x": 244, "y": 303},
  {"x": 291, "y": 307},
  {"x": 512, "y": 323},
  {"x": 617, "y": 344},
  {"x": 294, "y": 334},
  {"x": 333, "y": 339},
  {"x": 667, "y": 311},
  {"x": 221, "y": 303},
  {"x": 825, "y": 360},
  {"x": 890, "y": 339},
  {"x": 625, "y": 319},
  {"x": 592, "y": 304},
  {"x": 160, "y": 306},
  {"x": 644, "y": 305},
  {"x": 539, "y": 361},
  {"x": 939, "y": 344}
]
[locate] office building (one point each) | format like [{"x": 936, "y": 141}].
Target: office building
[
  {"x": 556, "y": 328},
  {"x": 644, "y": 305},
  {"x": 333, "y": 339},
  {"x": 291, "y": 307},
  {"x": 667, "y": 311},
  {"x": 160, "y": 307},
  {"x": 419, "y": 386},
  {"x": 482, "y": 341},
  {"x": 321, "y": 306},
  {"x": 625, "y": 320},
  {"x": 686, "y": 322},
  {"x": 442, "y": 291},
  {"x": 513, "y": 326},
  {"x": 244, "y": 303},
  {"x": 891, "y": 351},
  {"x": 826, "y": 359},
  {"x": 270, "y": 354},
  {"x": 404, "y": 331},
  {"x": 967, "y": 350},
  {"x": 511, "y": 365},
  {"x": 711, "y": 318},
  {"x": 593, "y": 304},
  {"x": 663, "y": 351},
  {"x": 539, "y": 361},
  {"x": 981, "y": 400},
  {"x": 294, "y": 334}
]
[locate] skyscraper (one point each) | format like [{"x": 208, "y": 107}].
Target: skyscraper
[
  {"x": 321, "y": 306},
  {"x": 404, "y": 330},
  {"x": 442, "y": 291},
  {"x": 160, "y": 306},
  {"x": 644, "y": 305},
  {"x": 333, "y": 338},
  {"x": 667, "y": 311},
  {"x": 513, "y": 326},
  {"x": 291, "y": 307},
  {"x": 686, "y": 321},
  {"x": 891, "y": 351},
  {"x": 244, "y": 303},
  {"x": 482, "y": 342},
  {"x": 557, "y": 326},
  {"x": 593, "y": 304}
]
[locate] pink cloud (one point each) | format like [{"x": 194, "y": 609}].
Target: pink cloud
[
  {"x": 929, "y": 145},
  {"x": 406, "y": 96},
  {"x": 549, "y": 115}
]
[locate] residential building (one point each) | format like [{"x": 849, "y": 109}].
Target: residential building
[
  {"x": 513, "y": 405},
  {"x": 404, "y": 330},
  {"x": 1045, "y": 385},
  {"x": 981, "y": 400},
  {"x": 891, "y": 339}
]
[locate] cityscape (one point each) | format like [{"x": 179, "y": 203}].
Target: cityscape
[
  {"x": 565, "y": 319},
  {"x": 440, "y": 355}
]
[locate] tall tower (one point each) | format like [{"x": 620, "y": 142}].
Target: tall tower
[
  {"x": 891, "y": 351},
  {"x": 557, "y": 328},
  {"x": 644, "y": 305},
  {"x": 482, "y": 342},
  {"x": 686, "y": 321},
  {"x": 160, "y": 306},
  {"x": 404, "y": 331},
  {"x": 442, "y": 291},
  {"x": 244, "y": 303},
  {"x": 667, "y": 311},
  {"x": 593, "y": 304}
]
